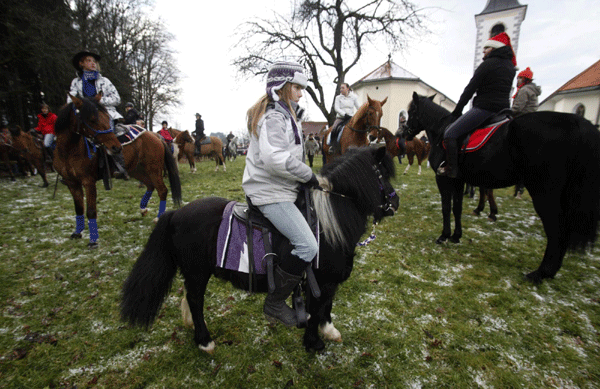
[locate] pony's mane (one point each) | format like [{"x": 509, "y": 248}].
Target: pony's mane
[
  {"x": 343, "y": 221},
  {"x": 436, "y": 109},
  {"x": 360, "y": 112},
  {"x": 90, "y": 107}
]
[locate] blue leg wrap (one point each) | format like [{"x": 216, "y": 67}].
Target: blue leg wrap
[
  {"x": 161, "y": 207},
  {"x": 79, "y": 223},
  {"x": 93, "y": 230},
  {"x": 145, "y": 199}
]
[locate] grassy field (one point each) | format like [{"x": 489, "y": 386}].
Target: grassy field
[{"x": 412, "y": 315}]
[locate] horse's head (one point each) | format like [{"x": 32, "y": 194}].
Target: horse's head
[
  {"x": 368, "y": 116},
  {"x": 389, "y": 200},
  {"x": 15, "y": 131},
  {"x": 90, "y": 119},
  {"x": 425, "y": 115}
]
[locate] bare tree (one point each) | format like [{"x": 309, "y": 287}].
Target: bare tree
[
  {"x": 154, "y": 73},
  {"x": 327, "y": 36}
]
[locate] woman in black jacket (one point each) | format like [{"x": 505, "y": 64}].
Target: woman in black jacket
[{"x": 492, "y": 81}]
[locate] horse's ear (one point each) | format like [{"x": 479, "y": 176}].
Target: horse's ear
[
  {"x": 432, "y": 96},
  {"x": 76, "y": 101},
  {"x": 380, "y": 153},
  {"x": 369, "y": 100},
  {"x": 383, "y": 101},
  {"x": 415, "y": 98},
  {"x": 98, "y": 97}
]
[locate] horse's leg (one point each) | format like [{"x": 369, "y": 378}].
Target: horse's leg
[
  {"x": 320, "y": 318},
  {"x": 77, "y": 193},
  {"x": 481, "y": 204},
  {"x": 6, "y": 160},
  {"x": 195, "y": 286},
  {"x": 457, "y": 205},
  {"x": 90, "y": 196},
  {"x": 38, "y": 161},
  {"x": 146, "y": 197},
  {"x": 419, "y": 161},
  {"x": 493, "y": 205},
  {"x": 547, "y": 206},
  {"x": 444, "y": 187},
  {"x": 410, "y": 158}
]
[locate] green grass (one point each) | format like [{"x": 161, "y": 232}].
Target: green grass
[{"x": 412, "y": 315}]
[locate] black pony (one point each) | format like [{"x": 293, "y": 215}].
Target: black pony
[
  {"x": 356, "y": 186},
  {"x": 556, "y": 156}
]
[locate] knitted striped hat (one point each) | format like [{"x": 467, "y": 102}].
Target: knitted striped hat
[{"x": 282, "y": 72}]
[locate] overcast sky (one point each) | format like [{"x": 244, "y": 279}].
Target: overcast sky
[{"x": 558, "y": 40}]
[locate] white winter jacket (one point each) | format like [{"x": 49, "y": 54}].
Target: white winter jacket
[
  {"x": 110, "y": 96},
  {"x": 346, "y": 105},
  {"x": 275, "y": 163}
]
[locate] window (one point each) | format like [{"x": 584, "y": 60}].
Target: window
[{"x": 497, "y": 29}]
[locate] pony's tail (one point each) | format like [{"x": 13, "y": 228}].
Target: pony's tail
[
  {"x": 150, "y": 279},
  {"x": 173, "y": 172},
  {"x": 581, "y": 195}
]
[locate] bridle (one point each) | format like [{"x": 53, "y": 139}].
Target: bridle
[
  {"x": 387, "y": 203},
  {"x": 93, "y": 141}
]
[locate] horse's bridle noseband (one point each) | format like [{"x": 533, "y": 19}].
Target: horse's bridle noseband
[{"x": 95, "y": 133}]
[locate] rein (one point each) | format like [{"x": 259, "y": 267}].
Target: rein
[{"x": 94, "y": 132}]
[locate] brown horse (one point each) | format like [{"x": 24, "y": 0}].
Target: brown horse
[
  {"x": 185, "y": 147},
  {"x": 7, "y": 151},
  {"x": 356, "y": 130},
  {"x": 416, "y": 148},
  {"x": 31, "y": 151},
  {"x": 82, "y": 130},
  {"x": 213, "y": 149}
]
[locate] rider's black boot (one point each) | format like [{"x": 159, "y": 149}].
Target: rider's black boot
[
  {"x": 450, "y": 168},
  {"x": 275, "y": 308}
]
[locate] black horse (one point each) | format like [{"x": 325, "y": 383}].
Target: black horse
[
  {"x": 556, "y": 156},
  {"x": 356, "y": 186}
]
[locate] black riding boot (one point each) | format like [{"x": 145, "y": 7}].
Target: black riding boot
[
  {"x": 275, "y": 308},
  {"x": 450, "y": 168}
]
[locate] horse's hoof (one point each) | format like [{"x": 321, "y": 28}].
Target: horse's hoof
[
  {"x": 330, "y": 332},
  {"x": 144, "y": 211},
  {"x": 492, "y": 218},
  {"x": 210, "y": 348},
  {"x": 13, "y": 179},
  {"x": 75, "y": 236},
  {"x": 441, "y": 240},
  {"x": 45, "y": 185},
  {"x": 534, "y": 277},
  {"x": 455, "y": 240},
  {"x": 316, "y": 346},
  {"x": 475, "y": 213},
  {"x": 92, "y": 245}
]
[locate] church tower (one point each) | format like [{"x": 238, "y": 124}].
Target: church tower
[{"x": 498, "y": 16}]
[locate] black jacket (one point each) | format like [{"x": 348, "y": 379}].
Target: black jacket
[
  {"x": 199, "y": 133},
  {"x": 492, "y": 81},
  {"x": 132, "y": 116}
]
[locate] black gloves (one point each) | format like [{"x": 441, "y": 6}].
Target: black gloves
[
  {"x": 313, "y": 182},
  {"x": 347, "y": 117}
]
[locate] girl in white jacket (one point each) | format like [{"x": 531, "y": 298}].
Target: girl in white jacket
[{"x": 272, "y": 176}]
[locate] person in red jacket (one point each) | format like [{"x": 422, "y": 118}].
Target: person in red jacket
[
  {"x": 45, "y": 127},
  {"x": 166, "y": 135}
]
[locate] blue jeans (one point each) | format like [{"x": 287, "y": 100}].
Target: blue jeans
[
  {"x": 467, "y": 123},
  {"x": 288, "y": 220}
]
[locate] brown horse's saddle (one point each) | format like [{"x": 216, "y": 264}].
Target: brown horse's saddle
[
  {"x": 206, "y": 141},
  {"x": 128, "y": 133}
]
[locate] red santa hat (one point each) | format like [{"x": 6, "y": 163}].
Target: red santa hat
[{"x": 501, "y": 40}]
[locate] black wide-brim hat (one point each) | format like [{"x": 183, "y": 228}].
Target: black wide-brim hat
[{"x": 83, "y": 54}]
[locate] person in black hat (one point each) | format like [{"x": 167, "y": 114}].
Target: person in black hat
[
  {"x": 199, "y": 133},
  {"x": 90, "y": 82},
  {"x": 131, "y": 115}
]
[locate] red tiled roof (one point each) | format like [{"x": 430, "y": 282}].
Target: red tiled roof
[{"x": 586, "y": 79}]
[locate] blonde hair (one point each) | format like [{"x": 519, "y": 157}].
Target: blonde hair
[{"x": 259, "y": 108}]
